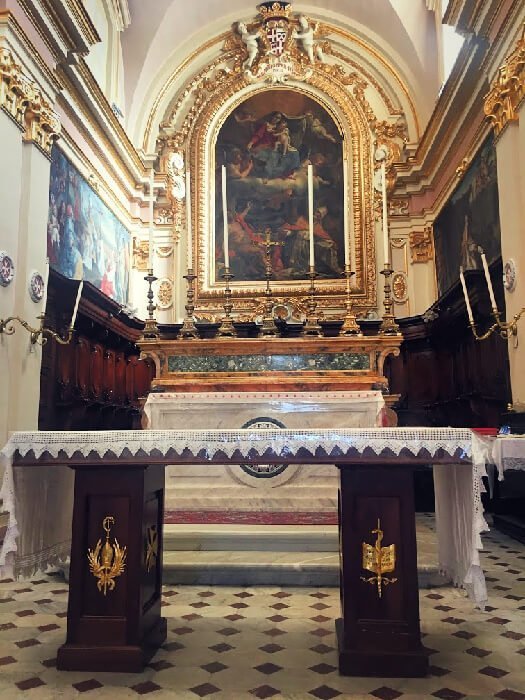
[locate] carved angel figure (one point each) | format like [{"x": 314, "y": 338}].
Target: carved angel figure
[
  {"x": 251, "y": 43},
  {"x": 306, "y": 37}
]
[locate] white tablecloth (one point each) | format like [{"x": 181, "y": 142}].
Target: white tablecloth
[{"x": 458, "y": 487}]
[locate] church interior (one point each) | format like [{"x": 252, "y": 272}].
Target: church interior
[{"x": 260, "y": 315}]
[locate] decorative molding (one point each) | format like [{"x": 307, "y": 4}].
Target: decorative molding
[
  {"x": 23, "y": 100},
  {"x": 164, "y": 294},
  {"x": 164, "y": 216},
  {"x": 398, "y": 206},
  {"x": 164, "y": 251},
  {"x": 421, "y": 245},
  {"x": 140, "y": 254},
  {"x": 508, "y": 89},
  {"x": 399, "y": 287},
  {"x": 462, "y": 168}
]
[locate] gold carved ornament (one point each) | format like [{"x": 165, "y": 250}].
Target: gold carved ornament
[
  {"x": 152, "y": 547},
  {"x": 508, "y": 89},
  {"x": 379, "y": 560},
  {"x": 140, "y": 254},
  {"x": 107, "y": 561},
  {"x": 23, "y": 100},
  {"x": 421, "y": 245}
]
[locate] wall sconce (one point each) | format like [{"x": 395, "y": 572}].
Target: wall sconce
[
  {"x": 36, "y": 335},
  {"x": 41, "y": 334},
  {"x": 506, "y": 329}
]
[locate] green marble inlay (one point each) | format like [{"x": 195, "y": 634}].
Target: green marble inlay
[{"x": 268, "y": 363}]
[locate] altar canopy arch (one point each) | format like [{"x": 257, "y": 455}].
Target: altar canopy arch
[{"x": 266, "y": 145}]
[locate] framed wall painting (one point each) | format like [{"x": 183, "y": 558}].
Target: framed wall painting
[
  {"x": 469, "y": 221},
  {"x": 85, "y": 240}
]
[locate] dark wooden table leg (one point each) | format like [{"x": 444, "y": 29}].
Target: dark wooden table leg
[
  {"x": 378, "y": 635},
  {"x": 117, "y": 627}
]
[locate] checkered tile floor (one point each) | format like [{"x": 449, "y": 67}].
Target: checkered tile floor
[{"x": 275, "y": 643}]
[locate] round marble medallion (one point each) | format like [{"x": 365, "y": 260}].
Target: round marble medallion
[
  {"x": 7, "y": 269},
  {"x": 36, "y": 287},
  {"x": 263, "y": 471},
  {"x": 509, "y": 275}
]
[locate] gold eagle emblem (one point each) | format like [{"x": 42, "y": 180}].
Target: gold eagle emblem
[{"x": 107, "y": 561}]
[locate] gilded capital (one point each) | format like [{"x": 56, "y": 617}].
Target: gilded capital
[
  {"x": 508, "y": 89},
  {"x": 23, "y": 100}
]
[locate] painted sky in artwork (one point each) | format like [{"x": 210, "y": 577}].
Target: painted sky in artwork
[
  {"x": 85, "y": 240},
  {"x": 266, "y": 144}
]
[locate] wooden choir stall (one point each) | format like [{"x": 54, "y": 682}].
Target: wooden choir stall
[{"x": 114, "y": 616}]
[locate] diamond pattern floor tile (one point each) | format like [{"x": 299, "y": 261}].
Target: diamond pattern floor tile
[{"x": 235, "y": 643}]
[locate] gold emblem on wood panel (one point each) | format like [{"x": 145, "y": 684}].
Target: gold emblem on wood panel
[
  {"x": 107, "y": 561},
  {"x": 379, "y": 560},
  {"x": 152, "y": 547}
]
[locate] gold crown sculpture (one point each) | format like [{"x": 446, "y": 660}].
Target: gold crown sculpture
[{"x": 275, "y": 10}]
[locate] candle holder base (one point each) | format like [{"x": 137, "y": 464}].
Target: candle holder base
[
  {"x": 189, "y": 329},
  {"x": 227, "y": 329},
  {"x": 312, "y": 327},
  {"x": 388, "y": 325},
  {"x": 151, "y": 330},
  {"x": 269, "y": 327},
  {"x": 350, "y": 325}
]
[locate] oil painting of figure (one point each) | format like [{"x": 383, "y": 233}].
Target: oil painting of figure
[
  {"x": 85, "y": 240},
  {"x": 469, "y": 222},
  {"x": 266, "y": 145}
]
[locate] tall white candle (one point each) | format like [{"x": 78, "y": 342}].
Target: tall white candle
[
  {"x": 465, "y": 294},
  {"x": 345, "y": 212},
  {"x": 489, "y": 281},
  {"x": 225, "y": 219},
  {"x": 46, "y": 285},
  {"x": 77, "y": 302},
  {"x": 311, "y": 213},
  {"x": 386, "y": 242},
  {"x": 189, "y": 233},
  {"x": 151, "y": 185}
]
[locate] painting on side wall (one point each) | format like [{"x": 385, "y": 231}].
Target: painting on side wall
[
  {"x": 85, "y": 240},
  {"x": 266, "y": 145},
  {"x": 469, "y": 222}
]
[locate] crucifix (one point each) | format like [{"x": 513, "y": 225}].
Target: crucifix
[{"x": 268, "y": 322}]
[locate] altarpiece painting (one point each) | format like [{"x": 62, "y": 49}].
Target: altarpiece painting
[{"x": 266, "y": 145}]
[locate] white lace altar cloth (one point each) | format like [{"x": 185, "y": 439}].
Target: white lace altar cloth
[
  {"x": 508, "y": 452},
  {"x": 461, "y": 518}
]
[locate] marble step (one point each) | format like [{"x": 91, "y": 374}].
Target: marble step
[
  {"x": 276, "y": 538},
  {"x": 264, "y": 568}
]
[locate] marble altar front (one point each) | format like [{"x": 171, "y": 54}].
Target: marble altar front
[{"x": 261, "y": 493}]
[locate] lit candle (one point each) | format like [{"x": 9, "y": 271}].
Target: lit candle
[
  {"x": 188, "y": 221},
  {"x": 311, "y": 213},
  {"x": 489, "y": 281},
  {"x": 386, "y": 242},
  {"x": 151, "y": 183},
  {"x": 345, "y": 212},
  {"x": 465, "y": 294},
  {"x": 77, "y": 302},
  {"x": 46, "y": 283},
  {"x": 225, "y": 218}
]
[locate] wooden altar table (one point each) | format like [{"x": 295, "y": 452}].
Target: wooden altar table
[{"x": 114, "y": 618}]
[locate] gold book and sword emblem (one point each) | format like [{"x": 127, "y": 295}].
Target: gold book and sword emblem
[
  {"x": 107, "y": 561},
  {"x": 379, "y": 560}
]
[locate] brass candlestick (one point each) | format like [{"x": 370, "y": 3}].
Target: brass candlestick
[
  {"x": 151, "y": 330},
  {"x": 312, "y": 326},
  {"x": 269, "y": 326},
  {"x": 350, "y": 325},
  {"x": 189, "y": 329},
  {"x": 227, "y": 329},
  {"x": 389, "y": 325}
]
